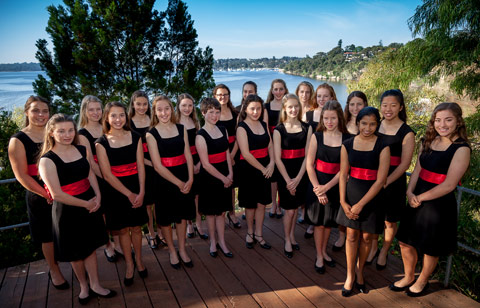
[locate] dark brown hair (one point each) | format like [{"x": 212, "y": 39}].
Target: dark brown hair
[
  {"x": 229, "y": 103},
  {"x": 359, "y": 94},
  {"x": 252, "y": 98},
  {"x": 131, "y": 107},
  {"x": 270, "y": 92},
  {"x": 333, "y": 105},
  {"x": 29, "y": 102},
  {"x": 106, "y": 113}
]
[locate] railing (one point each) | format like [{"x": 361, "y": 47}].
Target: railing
[{"x": 448, "y": 268}]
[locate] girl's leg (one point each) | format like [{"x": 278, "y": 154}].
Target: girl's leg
[
  {"x": 79, "y": 269},
  {"x": 292, "y": 228},
  {"x": 318, "y": 235},
  {"x": 363, "y": 251},
  {"x": 55, "y": 273},
  {"x": 341, "y": 236},
  {"x": 91, "y": 266},
  {"x": 211, "y": 222},
  {"x": 167, "y": 233},
  {"x": 287, "y": 229},
  {"x": 390, "y": 231},
  {"x": 126, "y": 244},
  {"x": 351, "y": 248},
  {"x": 326, "y": 236},
  {"x": 249, "y": 215},
  {"x": 429, "y": 264},
  {"x": 220, "y": 227},
  {"x": 409, "y": 258},
  {"x": 373, "y": 248},
  {"x": 181, "y": 230},
  {"x": 137, "y": 246},
  {"x": 259, "y": 218}
]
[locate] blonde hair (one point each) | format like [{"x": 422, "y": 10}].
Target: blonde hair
[
  {"x": 154, "y": 121},
  {"x": 329, "y": 88},
  {"x": 312, "y": 100},
  {"x": 283, "y": 112},
  {"x": 83, "y": 119},
  {"x": 192, "y": 115},
  {"x": 49, "y": 141}
]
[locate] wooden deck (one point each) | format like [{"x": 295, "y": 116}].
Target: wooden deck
[{"x": 253, "y": 278}]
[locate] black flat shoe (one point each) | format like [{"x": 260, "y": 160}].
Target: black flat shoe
[
  {"x": 250, "y": 244},
  {"x": 85, "y": 300},
  {"x": 296, "y": 247},
  {"x": 272, "y": 215},
  {"x": 394, "y": 288},
  {"x": 143, "y": 274},
  {"x": 191, "y": 235},
  {"x": 118, "y": 254},
  {"x": 337, "y": 248},
  {"x": 244, "y": 217},
  {"x": 301, "y": 221},
  {"x": 226, "y": 254},
  {"x": 308, "y": 235},
  {"x": 160, "y": 241},
  {"x": 236, "y": 225},
  {"x": 288, "y": 254},
  {"x": 279, "y": 216},
  {"x": 417, "y": 294},
  {"x": 330, "y": 263},
  {"x": 128, "y": 281},
  {"x": 361, "y": 287},
  {"x": 62, "y": 286},
  {"x": 381, "y": 267},
  {"x": 188, "y": 264},
  {"x": 110, "y": 294},
  {"x": 346, "y": 292},
  {"x": 262, "y": 242},
  {"x": 319, "y": 269},
  {"x": 176, "y": 265},
  {"x": 152, "y": 242},
  {"x": 213, "y": 254},
  {"x": 111, "y": 259},
  {"x": 375, "y": 256},
  {"x": 202, "y": 236}
]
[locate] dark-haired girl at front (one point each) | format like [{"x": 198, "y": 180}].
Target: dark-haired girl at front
[
  {"x": 23, "y": 150},
  {"x": 323, "y": 167},
  {"x": 291, "y": 137},
  {"x": 170, "y": 152},
  {"x": 429, "y": 225},
  {"x": 364, "y": 162},
  {"x": 400, "y": 137},
  {"x": 77, "y": 226},
  {"x": 256, "y": 165},
  {"x": 120, "y": 155},
  {"x": 216, "y": 175}
]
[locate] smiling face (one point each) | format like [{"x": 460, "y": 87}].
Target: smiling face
[
  {"x": 323, "y": 96},
  {"x": 390, "y": 107},
  {"x": 63, "y": 133},
  {"x": 367, "y": 125},
  {"x": 117, "y": 117},
  {"x": 445, "y": 123},
  {"x": 254, "y": 111},
  {"x": 94, "y": 111},
  {"x": 140, "y": 104},
  {"x": 222, "y": 96},
  {"x": 163, "y": 111},
  {"x": 212, "y": 116},
  {"x": 186, "y": 107},
  {"x": 38, "y": 114},
  {"x": 278, "y": 91},
  {"x": 304, "y": 94},
  {"x": 355, "y": 105},
  {"x": 247, "y": 90},
  {"x": 330, "y": 120},
  {"x": 292, "y": 108}
]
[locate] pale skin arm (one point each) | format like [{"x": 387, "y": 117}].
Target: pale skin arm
[
  {"x": 342, "y": 184},
  {"x": 242, "y": 140},
  {"x": 458, "y": 167},
  {"x": 301, "y": 172},
  {"x": 48, "y": 172},
  {"x": 188, "y": 156},
  {"x": 277, "y": 151},
  {"x": 18, "y": 161},
  {"x": 412, "y": 199},
  {"x": 96, "y": 168},
  {"x": 378, "y": 184},
  {"x": 408, "y": 145},
  {"x": 203, "y": 153},
  {"x": 141, "y": 175}
]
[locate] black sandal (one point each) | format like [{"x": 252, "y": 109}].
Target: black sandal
[{"x": 262, "y": 243}]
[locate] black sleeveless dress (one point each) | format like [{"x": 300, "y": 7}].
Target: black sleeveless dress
[
  {"x": 273, "y": 116},
  {"x": 149, "y": 171},
  {"x": 39, "y": 211},
  {"x": 119, "y": 213},
  {"x": 310, "y": 120},
  {"x": 172, "y": 206},
  {"x": 363, "y": 173},
  {"x": 77, "y": 233},
  {"x": 327, "y": 165},
  {"x": 101, "y": 182},
  {"x": 432, "y": 227},
  {"x": 231, "y": 126},
  {"x": 191, "y": 134},
  {"x": 395, "y": 194},
  {"x": 214, "y": 199},
  {"x": 253, "y": 186},
  {"x": 293, "y": 155}
]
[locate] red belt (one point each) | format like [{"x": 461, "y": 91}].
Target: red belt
[
  {"x": 363, "y": 174},
  {"x": 145, "y": 148},
  {"x": 289, "y": 154},
  {"x": 395, "y": 160},
  {"x": 432, "y": 177},
  {"x": 124, "y": 170},
  {"x": 260, "y": 153},
  {"x": 174, "y": 161},
  {"x": 271, "y": 129},
  {"x": 217, "y": 158},
  {"x": 231, "y": 139},
  {"x": 328, "y": 168},
  {"x": 193, "y": 150},
  {"x": 95, "y": 158},
  {"x": 73, "y": 189},
  {"x": 32, "y": 170}
]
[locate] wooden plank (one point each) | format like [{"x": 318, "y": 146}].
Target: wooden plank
[
  {"x": 37, "y": 285},
  {"x": 11, "y": 294},
  {"x": 109, "y": 278},
  {"x": 3, "y": 271},
  {"x": 62, "y": 298}
]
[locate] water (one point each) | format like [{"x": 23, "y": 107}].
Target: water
[{"x": 16, "y": 87}]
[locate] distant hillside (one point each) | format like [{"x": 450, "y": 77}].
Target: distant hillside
[
  {"x": 236, "y": 64},
  {"x": 19, "y": 67}
]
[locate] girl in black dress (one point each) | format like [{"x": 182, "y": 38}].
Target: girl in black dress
[
  {"x": 216, "y": 175},
  {"x": 323, "y": 167},
  {"x": 364, "y": 161},
  {"x": 171, "y": 157},
  {"x": 429, "y": 225},
  {"x": 120, "y": 155},
  {"x": 256, "y": 166},
  {"x": 228, "y": 119},
  {"x": 272, "y": 106},
  {"x": 89, "y": 130},
  {"x": 23, "y": 150},
  {"x": 139, "y": 114},
  {"x": 323, "y": 94},
  {"x": 290, "y": 140},
  {"x": 304, "y": 92},
  {"x": 77, "y": 227},
  {"x": 401, "y": 139},
  {"x": 187, "y": 116}
]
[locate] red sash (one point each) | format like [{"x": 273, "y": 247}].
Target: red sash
[
  {"x": 95, "y": 158},
  {"x": 328, "y": 168},
  {"x": 231, "y": 139},
  {"x": 363, "y": 174},
  {"x": 260, "y": 153},
  {"x": 174, "y": 161},
  {"x": 395, "y": 160},
  {"x": 193, "y": 150},
  {"x": 289, "y": 154},
  {"x": 32, "y": 170},
  {"x": 432, "y": 177},
  {"x": 73, "y": 189},
  {"x": 145, "y": 147},
  {"x": 271, "y": 128},
  {"x": 217, "y": 158},
  {"x": 124, "y": 170}
]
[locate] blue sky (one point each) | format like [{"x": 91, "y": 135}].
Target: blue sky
[{"x": 242, "y": 29}]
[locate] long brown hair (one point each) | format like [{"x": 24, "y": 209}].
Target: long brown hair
[
  {"x": 312, "y": 101},
  {"x": 270, "y": 96},
  {"x": 131, "y": 107},
  {"x": 252, "y": 98},
  {"x": 48, "y": 140},
  {"x": 83, "y": 119},
  {"x": 154, "y": 121},
  {"x": 106, "y": 125},
  {"x": 359, "y": 94},
  {"x": 460, "y": 130},
  {"x": 192, "y": 115},
  {"x": 283, "y": 112},
  {"x": 333, "y": 105},
  {"x": 229, "y": 103},
  {"x": 29, "y": 102},
  {"x": 324, "y": 86}
]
